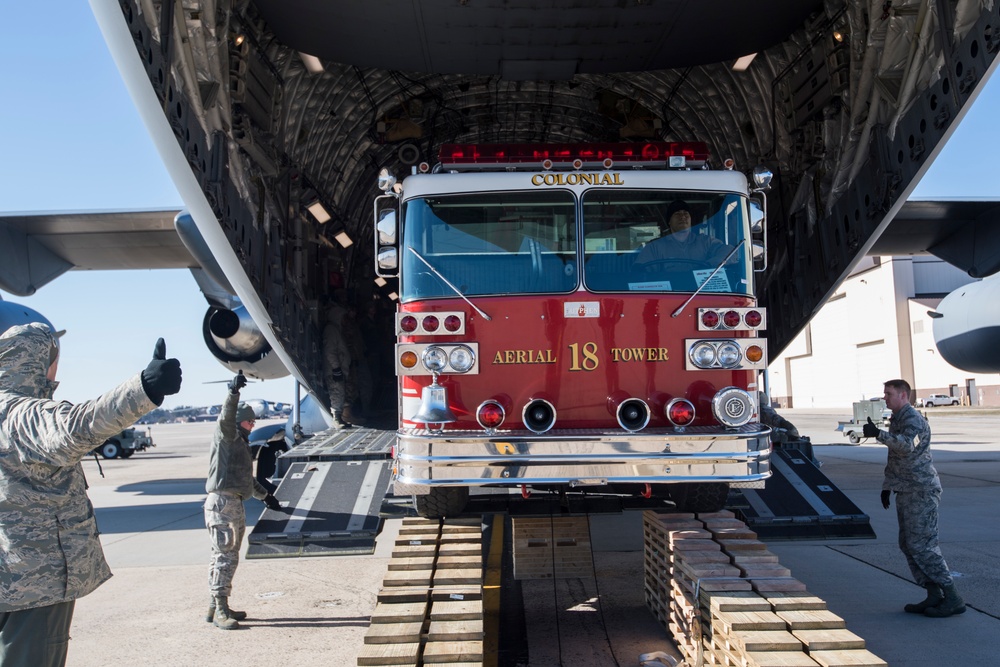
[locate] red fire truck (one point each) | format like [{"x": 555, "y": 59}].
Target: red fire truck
[{"x": 576, "y": 316}]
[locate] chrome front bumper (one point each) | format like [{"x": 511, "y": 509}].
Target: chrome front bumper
[{"x": 584, "y": 457}]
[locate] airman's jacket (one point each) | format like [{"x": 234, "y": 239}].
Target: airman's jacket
[
  {"x": 49, "y": 549},
  {"x": 909, "y": 466},
  {"x": 230, "y": 462}
]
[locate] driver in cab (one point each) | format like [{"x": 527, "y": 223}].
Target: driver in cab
[{"x": 682, "y": 243}]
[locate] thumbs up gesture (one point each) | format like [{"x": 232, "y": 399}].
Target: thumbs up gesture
[
  {"x": 162, "y": 376},
  {"x": 870, "y": 429}
]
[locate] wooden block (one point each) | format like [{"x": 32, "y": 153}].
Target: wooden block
[
  {"x": 818, "y": 619},
  {"x": 412, "y": 563},
  {"x": 465, "y": 651},
  {"x": 461, "y": 538},
  {"x": 418, "y": 529},
  {"x": 763, "y": 570},
  {"x": 737, "y": 601},
  {"x": 738, "y": 621},
  {"x": 459, "y": 562},
  {"x": 394, "y": 633},
  {"x": 420, "y": 521},
  {"x": 734, "y": 545},
  {"x": 710, "y": 585},
  {"x": 784, "y": 584},
  {"x": 401, "y": 612},
  {"x": 407, "y": 578},
  {"x": 764, "y": 640},
  {"x": 793, "y": 601},
  {"x": 389, "y": 654},
  {"x": 455, "y": 631},
  {"x": 852, "y": 658},
  {"x": 463, "y": 521},
  {"x": 704, "y": 570},
  {"x": 778, "y": 659},
  {"x": 829, "y": 640},
  {"x": 688, "y": 534},
  {"x": 415, "y": 551},
  {"x": 754, "y": 557},
  {"x": 695, "y": 545},
  {"x": 398, "y": 594},
  {"x": 460, "y": 549},
  {"x": 733, "y": 533},
  {"x": 462, "y": 577},
  {"x": 416, "y": 540},
  {"x": 441, "y": 593},
  {"x": 456, "y": 610}
]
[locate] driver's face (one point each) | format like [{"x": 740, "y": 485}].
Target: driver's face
[{"x": 680, "y": 224}]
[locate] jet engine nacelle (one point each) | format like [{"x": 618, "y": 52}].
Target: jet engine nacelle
[
  {"x": 237, "y": 342},
  {"x": 967, "y": 327}
]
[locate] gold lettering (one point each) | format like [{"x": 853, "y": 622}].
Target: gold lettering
[
  {"x": 550, "y": 179},
  {"x": 616, "y": 354},
  {"x": 618, "y": 180},
  {"x": 522, "y": 357},
  {"x": 605, "y": 179},
  {"x": 572, "y": 179},
  {"x": 509, "y": 355},
  {"x": 498, "y": 359},
  {"x": 549, "y": 359},
  {"x": 663, "y": 354},
  {"x": 588, "y": 178},
  {"x": 536, "y": 179}
]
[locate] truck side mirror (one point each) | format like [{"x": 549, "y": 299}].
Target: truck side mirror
[
  {"x": 758, "y": 231},
  {"x": 386, "y": 236}
]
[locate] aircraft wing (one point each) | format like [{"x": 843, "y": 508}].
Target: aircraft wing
[
  {"x": 36, "y": 248},
  {"x": 962, "y": 232}
]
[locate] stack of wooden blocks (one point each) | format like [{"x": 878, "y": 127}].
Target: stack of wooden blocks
[
  {"x": 429, "y": 610},
  {"x": 726, "y": 599},
  {"x": 552, "y": 547}
]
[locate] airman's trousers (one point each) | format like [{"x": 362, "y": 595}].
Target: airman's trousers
[
  {"x": 918, "y": 536},
  {"x": 37, "y": 637}
]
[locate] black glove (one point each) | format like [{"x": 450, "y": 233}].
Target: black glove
[
  {"x": 337, "y": 375},
  {"x": 272, "y": 502},
  {"x": 237, "y": 383},
  {"x": 885, "y": 499},
  {"x": 162, "y": 376},
  {"x": 870, "y": 429}
]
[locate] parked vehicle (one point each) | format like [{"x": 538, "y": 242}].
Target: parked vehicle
[
  {"x": 938, "y": 399},
  {"x": 125, "y": 444}
]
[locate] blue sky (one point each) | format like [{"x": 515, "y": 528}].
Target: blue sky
[{"x": 71, "y": 139}]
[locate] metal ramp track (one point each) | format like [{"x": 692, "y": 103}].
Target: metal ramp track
[
  {"x": 331, "y": 490},
  {"x": 799, "y": 502}
]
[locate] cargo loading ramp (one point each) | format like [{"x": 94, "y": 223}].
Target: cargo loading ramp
[
  {"x": 331, "y": 491},
  {"x": 799, "y": 502}
]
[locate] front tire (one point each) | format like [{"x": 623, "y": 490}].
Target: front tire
[
  {"x": 853, "y": 437},
  {"x": 699, "y": 496},
  {"x": 111, "y": 449},
  {"x": 125, "y": 453},
  {"x": 442, "y": 501}
]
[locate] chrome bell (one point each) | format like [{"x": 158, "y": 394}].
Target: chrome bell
[{"x": 434, "y": 405}]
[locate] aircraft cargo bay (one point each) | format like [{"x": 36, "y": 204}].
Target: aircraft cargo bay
[{"x": 326, "y": 609}]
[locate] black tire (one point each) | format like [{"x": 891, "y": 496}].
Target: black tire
[
  {"x": 699, "y": 496},
  {"x": 442, "y": 501},
  {"x": 111, "y": 449},
  {"x": 853, "y": 437},
  {"x": 929, "y": 404},
  {"x": 126, "y": 453}
]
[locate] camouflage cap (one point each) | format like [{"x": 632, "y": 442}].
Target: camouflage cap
[
  {"x": 25, "y": 353},
  {"x": 245, "y": 413}
]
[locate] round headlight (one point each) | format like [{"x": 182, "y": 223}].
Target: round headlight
[
  {"x": 703, "y": 355},
  {"x": 461, "y": 359},
  {"x": 435, "y": 359},
  {"x": 729, "y": 355},
  {"x": 732, "y": 406}
]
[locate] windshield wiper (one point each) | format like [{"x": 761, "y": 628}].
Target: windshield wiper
[
  {"x": 446, "y": 282},
  {"x": 707, "y": 280}
]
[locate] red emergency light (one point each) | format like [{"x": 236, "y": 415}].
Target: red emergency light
[{"x": 575, "y": 156}]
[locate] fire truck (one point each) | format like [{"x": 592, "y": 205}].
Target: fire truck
[{"x": 557, "y": 330}]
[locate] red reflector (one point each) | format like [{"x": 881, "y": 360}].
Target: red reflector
[
  {"x": 650, "y": 152},
  {"x": 431, "y": 323},
  {"x": 490, "y": 415},
  {"x": 695, "y": 153},
  {"x": 453, "y": 323},
  {"x": 408, "y": 324},
  {"x": 753, "y": 318},
  {"x": 681, "y": 412},
  {"x": 731, "y": 319},
  {"x": 710, "y": 319}
]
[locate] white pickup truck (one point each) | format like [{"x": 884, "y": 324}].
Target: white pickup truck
[{"x": 937, "y": 399}]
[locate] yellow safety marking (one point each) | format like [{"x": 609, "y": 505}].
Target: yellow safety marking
[
  {"x": 491, "y": 595},
  {"x": 506, "y": 448}
]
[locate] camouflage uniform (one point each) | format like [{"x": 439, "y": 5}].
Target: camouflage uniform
[
  {"x": 910, "y": 473},
  {"x": 50, "y": 553},
  {"x": 230, "y": 482}
]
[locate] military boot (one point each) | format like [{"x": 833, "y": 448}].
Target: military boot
[
  {"x": 224, "y": 618},
  {"x": 338, "y": 420},
  {"x": 951, "y": 604},
  {"x": 210, "y": 615},
  {"x": 934, "y": 597}
]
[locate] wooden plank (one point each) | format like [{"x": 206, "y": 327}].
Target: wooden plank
[
  {"x": 757, "y": 556},
  {"x": 854, "y": 658},
  {"x": 394, "y": 633},
  {"x": 721, "y": 514},
  {"x": 763, "y": 570},
  {"x": 459, "y": 562},
  {"x": 764, "y": 640},
  {"x": 389, "y": 654},
  {"x": 411, "y": 563},
  {"x": 738, "y": 621},
  {"x": 439, "y": 652},
  {"x": 415, "y": 551},
  {"x": 441, "y": 593},
  {"x": 461, "y": 577},
  {"x": 737, "y": 601},
  {"x": 829, "y": 640},
  {"x": 460, "y": 549},
  {"x": 793, "y": 600},
  {"x": 455, "y": 631},
  {"x": 736, "y": 545},
  {"x": 778, "y": 659},
  {"x": 397, "y": 578},
  {"x": 784, "y": 584},
  {"x": 711, "y": 556},
  {"x": 456, "y": 610},
  {"x": 818, "y": 619},
  {"x": 402, "y": 612},
  {"x": 397, "y": 594},
  {"x": 417, "y": 539}
]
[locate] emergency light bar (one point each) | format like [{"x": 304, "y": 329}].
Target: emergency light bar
[{"x": 686, "y": 154}]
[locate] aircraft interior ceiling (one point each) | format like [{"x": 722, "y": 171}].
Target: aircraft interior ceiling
[{"x": 845, "y": 102}]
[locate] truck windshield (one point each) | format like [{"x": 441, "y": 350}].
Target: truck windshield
[
  {"x": 490, "y": 243},
  {"x": 664, "y": 241}
]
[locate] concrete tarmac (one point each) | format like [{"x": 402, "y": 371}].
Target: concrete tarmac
[{"x": 315, "y": 611}]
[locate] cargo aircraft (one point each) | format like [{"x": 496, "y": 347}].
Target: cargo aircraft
[{"x": 274, "y": 118}]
